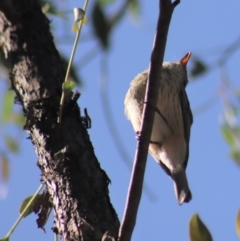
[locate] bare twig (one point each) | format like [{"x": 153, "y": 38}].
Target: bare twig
[
  {"x": 104, "y": 94},
  {"x": 136, "y": 183}
]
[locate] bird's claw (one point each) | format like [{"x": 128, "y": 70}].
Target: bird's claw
[{"x": 138, "y": 137}]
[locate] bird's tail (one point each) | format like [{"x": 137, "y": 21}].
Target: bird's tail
[{"x": 181, "y": 188}]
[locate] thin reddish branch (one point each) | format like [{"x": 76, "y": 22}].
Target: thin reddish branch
[{"x": 136, "y": 183}]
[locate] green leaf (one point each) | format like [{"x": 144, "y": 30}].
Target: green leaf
[
  {"x": 134, "y": 8},
  {"x": 11, "y": 144},
  {"x": 105, "y": 2},
  {"x": 75, "y": 27},
  {"x": 18, "y": 119},
  {"x": 49, "y": 8},
  {"x": 25, "y": 203},
  {"x": 235, "y": 155},
  {"x": 7, "y": 105},
  {"x": 68, "y": 86},
  {"x": 238, "y": 223},
  {"x": 197, "y": 230},
  {"x": 4, "y": 239},
  {"x": 4, "y": 168},
  {"x": 199, "y": 67},
  {"x": 227, "y": 134},
  {"x": 101, "y": 25}
]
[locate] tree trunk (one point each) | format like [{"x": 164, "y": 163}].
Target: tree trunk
[{"x": 77, "y": 185}]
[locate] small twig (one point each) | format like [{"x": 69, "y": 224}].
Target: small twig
[
  {"x": 104, "y": 94},
  {"x": 136, "y": 183},
  {"x": 70, "y": 63},
  {"x": 23, "y": 212}
]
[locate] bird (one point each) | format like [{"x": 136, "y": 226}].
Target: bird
[{"x": 169, "y": 142}]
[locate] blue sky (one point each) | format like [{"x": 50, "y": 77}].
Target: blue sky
[{"x": 204, "y": 27}]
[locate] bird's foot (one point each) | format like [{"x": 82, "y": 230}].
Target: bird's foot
[{"x": 138, "y": 137}]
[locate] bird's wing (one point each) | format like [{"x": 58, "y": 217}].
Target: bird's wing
[{"x": 187, "y": 119}]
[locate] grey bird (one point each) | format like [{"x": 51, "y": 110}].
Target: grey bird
[{"x": 169, "y": 144}]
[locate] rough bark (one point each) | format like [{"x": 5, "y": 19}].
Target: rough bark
[{"x": 77, "y": 185}]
